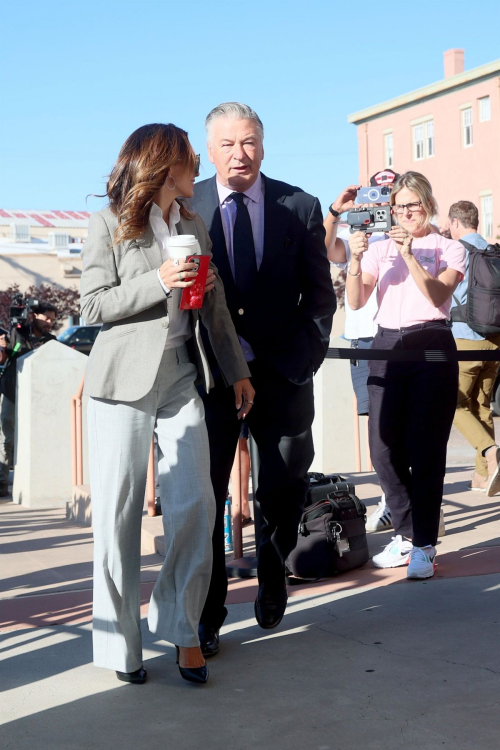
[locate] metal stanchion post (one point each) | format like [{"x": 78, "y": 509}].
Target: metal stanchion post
[
  {"x": 236, "y": 492},
  {"x": 357, "y": 440},
  {"x": 150, "y": 482},
  {"x": 246, "y": 567}
]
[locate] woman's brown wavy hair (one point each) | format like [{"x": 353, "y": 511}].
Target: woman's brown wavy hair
[{"x": 140, "y": 171}]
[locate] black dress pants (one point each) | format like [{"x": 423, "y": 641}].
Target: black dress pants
[
  {"x": 412, "y": 405},
  {"x": 280, "y": 422}
]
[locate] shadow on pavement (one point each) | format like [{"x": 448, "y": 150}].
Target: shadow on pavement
[{"x": 387, "y": 668}]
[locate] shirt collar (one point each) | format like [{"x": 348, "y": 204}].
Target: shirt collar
[
  {"x": 173, "y": 217},
  {"x": 471, "y": 236},
  {"x": 254, "y": 192}
]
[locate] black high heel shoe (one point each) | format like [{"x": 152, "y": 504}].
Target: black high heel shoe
[
  {"x": 138, "y": 677},
  {"x": 198, "y": 675}
]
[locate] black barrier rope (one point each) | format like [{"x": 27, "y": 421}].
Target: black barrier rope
[{"x": 415, "y": 355}]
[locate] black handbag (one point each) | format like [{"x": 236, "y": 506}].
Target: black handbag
[
  {"x": 320, "y": 485},
  {"x": 331, "y": 539}
]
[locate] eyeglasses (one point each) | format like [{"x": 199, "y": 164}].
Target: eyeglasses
[
  {"x": 412, "y": 207},
  {"x": 197, "y": 160}
]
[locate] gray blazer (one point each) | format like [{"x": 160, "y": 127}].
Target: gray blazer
[{"x": 120, "y": 289}]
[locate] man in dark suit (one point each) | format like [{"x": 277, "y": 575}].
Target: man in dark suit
[{"x": 269, "y": 247}]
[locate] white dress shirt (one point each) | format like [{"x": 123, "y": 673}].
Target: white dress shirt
[
  {"x": 179, "y": 329},
  {"x": 253, "y": 198},
  {"x": 360, "y": 324}
]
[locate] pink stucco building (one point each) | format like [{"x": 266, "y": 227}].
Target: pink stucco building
[{"x": 449, "y": 131}]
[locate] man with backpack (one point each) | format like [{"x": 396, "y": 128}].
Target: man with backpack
[{"x": 474, "y": 327}]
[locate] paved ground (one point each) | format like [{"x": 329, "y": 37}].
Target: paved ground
[{"x": 366, "y": 660}]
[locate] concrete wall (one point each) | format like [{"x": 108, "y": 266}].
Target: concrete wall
[
  {"x": 47, "y": 379},
  {"x": 333, "y": 427},
  {"x": 38, "y": 268}
]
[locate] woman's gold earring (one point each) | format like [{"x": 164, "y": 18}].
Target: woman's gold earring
[{"x": 169, "y": 176}]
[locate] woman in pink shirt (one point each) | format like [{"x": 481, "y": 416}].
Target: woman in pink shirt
[{"x": 412, "y": 404}]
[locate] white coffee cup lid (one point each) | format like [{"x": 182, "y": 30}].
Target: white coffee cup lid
[{"x": 182, "y": 240}]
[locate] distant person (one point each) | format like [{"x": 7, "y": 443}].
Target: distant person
[
  {"x": 4, "y": 480},
  {"x": 360, "y": 327},
  {"x": 246, "y": 518},
  {"x": 24, "y": 338},
  {"x": 269, "y": 246},
  {"x": 476, "y": 379},
  {"x": 412, "y": 404},
  {"x": 140, "y": 378}
]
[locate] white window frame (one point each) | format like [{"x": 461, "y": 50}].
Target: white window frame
[
  {"x": 484, "y": 103},
  {"x": 418, "y": 142},
  {"x": 389, "y": 149},
  {"x": 487, "y": 228},
  {"x": 467, "y": 127},
  {"x": 423, "y": 144},
  {"x": 429, "y": 138}
]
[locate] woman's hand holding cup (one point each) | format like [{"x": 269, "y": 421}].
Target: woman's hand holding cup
[{"x": 178, "y": 273}]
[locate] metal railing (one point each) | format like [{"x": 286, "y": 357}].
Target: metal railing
[{"x": 77, "y": 452}]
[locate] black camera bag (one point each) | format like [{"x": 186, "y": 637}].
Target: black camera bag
[
  {"x": 320, "y": 485},
  {"x": 332, "y": 538}
]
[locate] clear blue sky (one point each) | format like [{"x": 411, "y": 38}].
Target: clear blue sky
[{"x": 77, "y": 78}]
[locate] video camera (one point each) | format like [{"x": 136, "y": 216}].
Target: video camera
[
  {"x": 21, "y": 307},
  {"x": 378, "y": 219}
]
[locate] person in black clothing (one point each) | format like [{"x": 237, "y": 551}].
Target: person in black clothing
[
  {"x": 269, "y": 247},
  {"x": 23, "y": 339}
]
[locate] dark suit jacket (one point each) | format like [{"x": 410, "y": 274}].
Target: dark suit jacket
[{"x": 288, "y": 317}]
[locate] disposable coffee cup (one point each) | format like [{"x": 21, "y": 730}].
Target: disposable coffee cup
[{"x": 182, "y": 245}]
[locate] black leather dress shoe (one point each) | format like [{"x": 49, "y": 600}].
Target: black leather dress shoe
[
  {"x": 270, "y": 607},
  {"x": 209, "y": 640},
  {"x": 137, "y": 678}
]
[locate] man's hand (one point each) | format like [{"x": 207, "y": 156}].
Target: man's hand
[
  {"x": 210, "y": 283},
  {"x": 178, "y": 273},
  {"x": 358, "y": 244},
  {"x": 244, "y": 392},
  {"x": 346, "y": 199}
]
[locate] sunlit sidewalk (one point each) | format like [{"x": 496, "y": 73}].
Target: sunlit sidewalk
[{"x": 368, "y": 659}]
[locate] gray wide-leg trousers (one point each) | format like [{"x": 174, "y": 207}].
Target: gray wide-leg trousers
[{"x": 120, "y": 436}]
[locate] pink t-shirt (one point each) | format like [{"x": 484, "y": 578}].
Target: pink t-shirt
[{"x": 400, "y": 301}]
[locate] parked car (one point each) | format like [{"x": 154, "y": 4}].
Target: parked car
[{"x": 80, "y": 338}]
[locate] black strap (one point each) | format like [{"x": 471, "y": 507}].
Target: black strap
[{"x": 416, "y": 355}]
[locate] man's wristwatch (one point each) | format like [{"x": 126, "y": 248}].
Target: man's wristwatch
[{"x": 334, "y": 212}]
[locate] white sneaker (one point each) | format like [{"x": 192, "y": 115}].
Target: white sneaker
[
  {"x": 395, "y": 554},
  {"x": 422, "y": 562},
  {"x": 380, "y": 518},
  {"x": 442, "y": 527}
]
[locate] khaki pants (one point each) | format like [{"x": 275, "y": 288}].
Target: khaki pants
[{"x": 475, "y": 383}]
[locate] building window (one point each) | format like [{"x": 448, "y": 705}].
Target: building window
[
  {"x": 418, "y": 142},
  {"x": 484, "y": 109},
  {"x": 429, "y": 137},
  {"x": 487, "y": 215},
  {"x": 423, "y": 140},
  {"x": 467, "y": 127},
  {"x": 389, "y": 150}
]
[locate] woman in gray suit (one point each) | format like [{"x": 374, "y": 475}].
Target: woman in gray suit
[{"x": 141, "y": 377}]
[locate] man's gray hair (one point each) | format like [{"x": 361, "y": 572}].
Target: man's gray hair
[{"x": 237, "y": 110}]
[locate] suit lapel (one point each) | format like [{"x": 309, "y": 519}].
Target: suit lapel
[
  {"x": 209, "y": 209},
  {"x": 276, "y": 221},
  {"x": 150, "y": 248}
]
